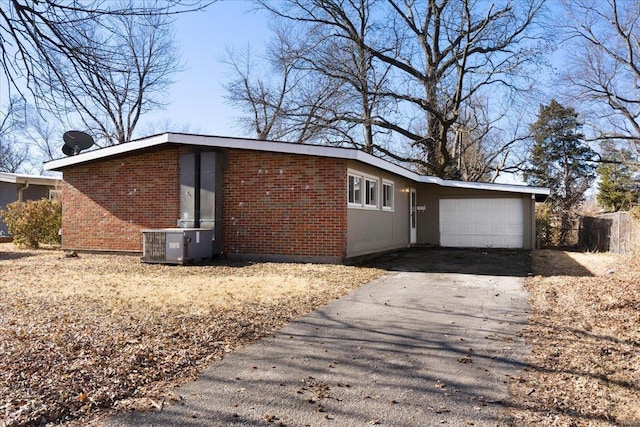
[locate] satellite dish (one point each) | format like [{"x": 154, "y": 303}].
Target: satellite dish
[
  {"x": 68, "y": 151},
  {"x": 77, "y": 141}
]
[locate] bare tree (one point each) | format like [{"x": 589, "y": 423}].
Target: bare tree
[
  {"x": 13, "y": 155},
  {"x": 263, "y": 98},
  {"x": 279, "y": 98},
  {"x": 349, "y": 63},
  {"x": 417, "y": 65},
  {"x": 42, "y": 131},
  {"x": 76, "y": 54},
  {"x": 133, "y": 62},
  {"x": 604, "y": 65},
  {"x": 485, "y": 147},
  {"x": 324, "y": 91}
]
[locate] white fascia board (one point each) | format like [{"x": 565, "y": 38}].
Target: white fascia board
[
  {"x": 282, "y": 147},
  {"x": 352, "y": 154},
  {"x": 257, "y": 145},
  {"x": 16, "y": 178},
  {"x": 302, "y": 149},
  {"x": 511, "y": 188},
  {"x": 293, "y": 148},
  {"x": 233, "y": 143},
  {"x": 101, "y": 153},
  {"x": 8, "y": 177},
  {"x": 200, "y": 140}
]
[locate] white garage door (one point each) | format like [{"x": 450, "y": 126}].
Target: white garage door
[{"x": 481, "y": 223}]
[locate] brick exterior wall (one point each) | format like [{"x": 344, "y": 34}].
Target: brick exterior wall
[
  {"x": 289, "y": 205},
  {"x": 273, "y": 204},
  {"x": 106, "y": 204}
]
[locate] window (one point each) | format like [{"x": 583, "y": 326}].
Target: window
[
  {"x": 363, "y": 191},
  {"x": 355, "y": 192},
  {"x": 387, "y": 195},
  {"x": 371, "y": 198}
]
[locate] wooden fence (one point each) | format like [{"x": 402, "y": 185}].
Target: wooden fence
[{"x": 615, "y": 232}]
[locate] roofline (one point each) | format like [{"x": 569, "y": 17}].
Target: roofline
[
  {"x": 281, "y": 147},
  {"x": 515, "y": 188},
  {"x": 17, "y": 178}
]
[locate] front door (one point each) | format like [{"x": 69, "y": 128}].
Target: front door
[{"x": 413, "y": 235}]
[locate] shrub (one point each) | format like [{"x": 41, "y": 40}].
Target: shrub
[
  {"x": 548, "y": 232},
  {"x": 34, "y": 222}
]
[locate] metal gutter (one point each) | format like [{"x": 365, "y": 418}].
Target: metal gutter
[{"x": 14, "y": 178}]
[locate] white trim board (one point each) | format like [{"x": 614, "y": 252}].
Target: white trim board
[{"x": 280, "y": 147}]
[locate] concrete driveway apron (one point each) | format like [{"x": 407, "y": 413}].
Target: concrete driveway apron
[{"x": 433, "y": 342}]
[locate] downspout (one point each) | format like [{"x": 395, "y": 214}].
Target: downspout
[
  {"x": 21, "y": 190},
  {"x": 537, "y": 238},
  {"x": 197, "y": 184}
]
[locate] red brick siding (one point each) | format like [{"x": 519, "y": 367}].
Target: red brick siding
[
  {"x": 107, "y": 204},
  {"x": 273, "y": 204},
  {"x": 290, "y": 205}
]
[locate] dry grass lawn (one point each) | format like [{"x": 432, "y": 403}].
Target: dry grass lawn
[
  {"x": 80, "y": 336},
  {"x": 584, "y": 337},
  {"x": 83, "y": 336}
]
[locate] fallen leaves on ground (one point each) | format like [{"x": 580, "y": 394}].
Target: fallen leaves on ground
[
  {"x": 584, "y": 337},
  {"x": 82, "y": 335}
]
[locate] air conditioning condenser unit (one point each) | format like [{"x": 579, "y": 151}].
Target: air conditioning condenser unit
[{"x": 177, "y": 245}]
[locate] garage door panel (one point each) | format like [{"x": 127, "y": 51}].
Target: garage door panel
[
  {"x": 465, "y": 229},
  {"x": 483, "y": 229},
  {"x": 482, "y": 242},
  {"x": 448, "y": 241},
  {"x": 482, "y": 223},
  {"x": 448, "y": 229},
  {"x": 464, "y": 216},
  {"x": 482, "y": 217},
  {"x": 505, "y": 229},
  {"x": 512, "y": 229}
]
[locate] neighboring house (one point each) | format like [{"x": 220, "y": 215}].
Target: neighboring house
[
  {"x": 18, "y": 187},
  {"x": 280, "y": 201}
]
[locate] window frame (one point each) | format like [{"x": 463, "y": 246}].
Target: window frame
[
  {"x": 386, "y": 183},
  {"x": 366, "y": 182},
  {"x": 370, "y": 193},
  {"x": 351, "y": 193}
]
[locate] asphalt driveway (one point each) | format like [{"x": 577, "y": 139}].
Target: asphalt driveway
[{"x": 433, "y": 342}]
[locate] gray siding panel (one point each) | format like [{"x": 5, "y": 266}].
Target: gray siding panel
[
  {"x": 376, "y": 231},
  {"x": 35, "y": 192},
  {"x": 370, "y": 231},
  {"x": 9, "y": 194}
]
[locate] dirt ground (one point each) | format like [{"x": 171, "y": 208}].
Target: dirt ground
[
  {"x": 584, "y": 336},
  {"x": 88, "y": 334}
]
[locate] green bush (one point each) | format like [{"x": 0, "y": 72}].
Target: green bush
[{"x": 34, "y": 222}]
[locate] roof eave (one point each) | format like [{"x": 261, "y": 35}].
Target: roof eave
[
  {"x": 281, "y": 147},
  {"x": 14, "y": 178},
  {"x": 59, "y": 164},
  {"x": 514, "y": 188}
]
